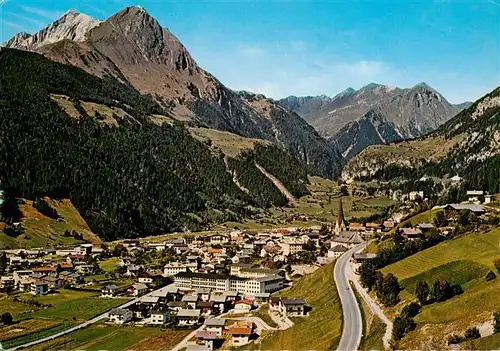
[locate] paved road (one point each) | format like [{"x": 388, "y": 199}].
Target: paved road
[
  {"x": 353, "y": 323},
  {"x": 79, "y": 326},
  {"x": 374, "y": 307}
]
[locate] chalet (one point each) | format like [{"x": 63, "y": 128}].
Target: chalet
[
  {"x": 452, "y": 210},
  {"x": 475, "y": 196},
  {"x": 49, "y": 270},
  {"x": 120, "y": 315},
  {"x": 110, "y": 291},
  {"x": 337, "y": 251},
  {"x": 240, "y": 333},
  {"x": 215, "y": 326},
  {"x": 157, "y": 246},
  {"x": 160, "y": 317},
  {"x": 411, "y": 233},
  {"x": 7, "y": 283},
  {"x": 262, "y": 298},
  {"x": 203, "y": 293},
  {"x": 140, "y": 311},
  {"x": 356, "y": 227},
  {"x": 205, "y": 339},
  {"x": 71, "y": 278},
  {"x": 388, "y": 225},
  {"x": 53, "y": 282},
  {"x": 373, "y": 227},
  {"x": 243, "y": 305},
  {"x": 138, "y": 289},
  {"x": 149, "y": 301},
  {"x": 425, "y": 227},
  {"x": 206, "y": 307},
  {"x": 361, "y": 257},
  {"x": 348, "y": 239},
  {"x": 145, "y": 278},
  {"x": 188, "y": 317},
  {"x": 39, "y": 288},
  {"x": 293, "y": 307},
  {"x": 190, "y": 300},
  {"x": 489, "y": 198},
  {"x": 177, "y": 305},
  {"x": 220, "y": 302}
]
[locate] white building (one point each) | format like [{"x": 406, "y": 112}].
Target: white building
[
  {"x": 173, "y": 268},
  {"x": 159, "y": 317},
  {"x": 220, "y": 282},
  {"x": 188, "y": 317},
  {"x": 120, "y": 315}
]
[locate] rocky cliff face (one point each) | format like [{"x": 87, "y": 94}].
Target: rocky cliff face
[
  {"x": 72, "y": 26},
  {"x": 406, "y": 115},
  {"x": 132, "y": 47},
  {"x": 470, "y": 139}
]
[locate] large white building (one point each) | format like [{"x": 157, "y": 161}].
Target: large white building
[
  {"x": 220, "y": 282},
  {"x": 173, "y": 268}
]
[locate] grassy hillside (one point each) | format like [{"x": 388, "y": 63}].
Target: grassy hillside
[
  {"x": 43, "y": 231},
  {"x": 228, "y": 143},
  {"x": 322, "y": 328},
  {"x": 465, "y": 261}
]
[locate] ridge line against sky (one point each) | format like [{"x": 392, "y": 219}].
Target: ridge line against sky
[{"x": 307, "y": 47}]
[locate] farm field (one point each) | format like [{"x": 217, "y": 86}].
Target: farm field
[
  {"x": 464, "y": 260},
  {"x": 322, "y": 328},
  {"x": 64, "y": 305},
  {"x": 106, "y": 337}
]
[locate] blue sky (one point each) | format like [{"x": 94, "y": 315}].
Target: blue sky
[{"x": 301, "y": 47}]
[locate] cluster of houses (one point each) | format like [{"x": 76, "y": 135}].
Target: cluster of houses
[{"x": 37, "y": 275}]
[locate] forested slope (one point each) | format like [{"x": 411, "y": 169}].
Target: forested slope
[{"x": 136, "y": 179}]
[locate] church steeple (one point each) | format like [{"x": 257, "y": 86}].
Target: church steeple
[{"x": 340, "y": 223}]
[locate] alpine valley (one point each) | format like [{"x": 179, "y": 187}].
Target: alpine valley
[{"x": 118, "y": 117}]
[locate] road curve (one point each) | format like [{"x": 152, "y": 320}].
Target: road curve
[{"x": 353, "y": 323}]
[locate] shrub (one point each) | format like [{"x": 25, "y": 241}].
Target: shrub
[
  {"x": 402, "y": 326},
  {"x": 410, "y": 310},
  {"x": 422, "y": 291},
  {"x": 472, "y": 333},
  {"x": 457, "y": 289},
  {"x": 490, "y": 276},
  {"x": 454, "y": 339}
]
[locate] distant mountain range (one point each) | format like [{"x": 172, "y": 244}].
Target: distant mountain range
[
  {"x": 374, "y": 114},
  {"x": 132, "y": 47},
  {"x": 467, "y": 145}
]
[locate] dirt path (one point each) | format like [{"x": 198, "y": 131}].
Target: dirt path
[{"x": 278, "y": 184}]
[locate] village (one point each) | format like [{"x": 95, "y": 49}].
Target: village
[{"x": 222, "y": 285}]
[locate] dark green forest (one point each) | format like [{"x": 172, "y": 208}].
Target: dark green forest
[{"x": 134, "y": 180}]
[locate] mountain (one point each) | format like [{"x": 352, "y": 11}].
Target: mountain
[
  {"x": 72, "y": 26},
  {"x": 128, "y": 167},
  {"x": 374, "y": 114},
  {"x": 406, "y": 115},
  {"x": 132, "y": 47},
  {"x": 467, "y": 145}
]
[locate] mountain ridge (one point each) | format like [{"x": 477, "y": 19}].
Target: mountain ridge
[{"x": 133, "y": 47}]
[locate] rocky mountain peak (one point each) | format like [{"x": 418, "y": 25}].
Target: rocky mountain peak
[
  {"x": 72, "y": 25},
  {"x": 370, "y": 86},
  {"x": 347, "y": 92},
  {"x": 17, "y": 40}
]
